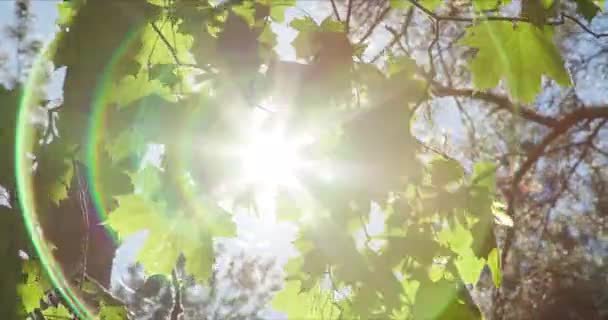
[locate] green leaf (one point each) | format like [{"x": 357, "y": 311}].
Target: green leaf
[
  {"x": 168, "y": 237},
  {"x": 313, "y": 304},
  {"x": 277, "y": 8},
  {"x": 108, "y": 312},
  {"x": 432, "y": 298},
  {"x": 331, "y": 25},
  {"x": 304, "y": 43},
  {"x": 30, "y": 296},
  {"x": 165, "y": 73},
  {"x": 268, "y": 37},
  {"x": 445, "y": 171},
  {"x": 458, "y": 238},
  {"x": 537, "y": 11},
  {"x": 444, "y": 300},
  {"x": 59, "y": 189},
  {"x": 484, "y": 175},
  {"x": 304, "y": 24},
  {"x": 34, "y": 287},
  {"x": 588, "y": 8},
  {"x": 59, "y": 312},
  {"x": 469, "y": 266},
  {"x": 246, "y": 11},
  {"x": 54, "y": 171},
  {"x": 400, "y": 64},
  {"x": 520, "y": 54},
  {"x": 66, "y": 12},
  {"x": 147, "y": 181},
  {"x": 494, "y": 264},
  {"x": 134, "y": 87},
  {"x": 124, "y": 145},
  {"x": 155, "y": 51}
]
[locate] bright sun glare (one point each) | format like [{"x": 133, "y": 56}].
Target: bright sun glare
[{"x": 270, "y": 160}]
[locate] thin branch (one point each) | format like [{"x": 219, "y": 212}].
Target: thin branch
[
  {"x": 468, "y": 122},
  {"x": 600, "y": 151},
  {"x": 50, "y": 122},
  {"x": 437, "y": 17},
  {"x": 108, "y": 295},
  {"x": 584, "y": 27},
  {"x": 430, "y": 48},
  {"x": 368, "y": 237},
  {"x": 84, "y": 205},
  {"x": 349, "y": 11},
  {"x": 433, "y": 149},
  {"x": 172, "y": 50},
  {"x": 396, "y": 36},
  {"x": 376, "y": 22},
  {"x": 177, "y": 303},
  {"x": 333, "y": 6}
]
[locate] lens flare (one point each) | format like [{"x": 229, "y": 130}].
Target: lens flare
[{"x": 35, "y": 213}]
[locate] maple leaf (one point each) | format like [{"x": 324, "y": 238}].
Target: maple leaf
[{"x": 520, "y": 54}]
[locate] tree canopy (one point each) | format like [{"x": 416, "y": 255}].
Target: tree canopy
[{"x": 182, "y": 119}]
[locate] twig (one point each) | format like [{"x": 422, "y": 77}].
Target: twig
[
  {"x": 108, "y": 296},
  {"x": 368, "y": 238},
  {"x": 84, "y": 205},
  {"x": 333, "y": 6},
  {"x": 430, "y": 48},
  {"x": 584, "y": 27},
  {"x": 50, "y": 124},
  {"x": 376, "y": 22},
  {"x": 561, "y": 21},
  {"x": 348, "y": 14},
  {"x": 177, "y": 303},
  {"x": 172, "y": 50}
]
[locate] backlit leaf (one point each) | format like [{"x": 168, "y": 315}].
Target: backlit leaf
[
  {"x": 168, "y": 237},
  {"x": 519, "y": 54},
  {"x": 495, "y": 268},
  {"x": 589, "y": 8},
  {"x": 313, "y": 304}
]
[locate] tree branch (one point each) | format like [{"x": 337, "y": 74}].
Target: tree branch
[
  {"x": 173, "y": 51},
  {"x": 561, "y": 21},
  {"x": 588, "y": 143},
  {"x": 502, "y": 102},
  {"x": 561, "y": 127}
]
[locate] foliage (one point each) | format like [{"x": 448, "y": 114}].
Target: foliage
[
  {"x": 179, "y": 80},
  {"x": 520, "y": 53}
]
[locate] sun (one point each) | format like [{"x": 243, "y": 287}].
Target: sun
[{"x": 270, "y": 160}]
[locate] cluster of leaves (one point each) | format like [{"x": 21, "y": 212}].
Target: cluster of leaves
[
  {"x": 192, "y": 60},
  {"x": 40, "y": 300}
]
